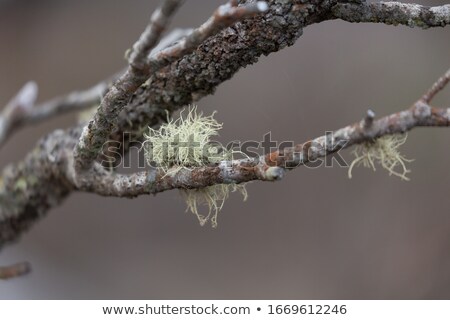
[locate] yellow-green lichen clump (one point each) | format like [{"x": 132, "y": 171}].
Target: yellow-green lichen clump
[{"x": 180, "y": 145}]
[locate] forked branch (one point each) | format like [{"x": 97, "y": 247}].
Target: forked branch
[{"x": 271, "y": 167}]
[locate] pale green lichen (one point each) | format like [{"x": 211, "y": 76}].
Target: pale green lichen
[
  {"x": 383, "y": 151},
  {"x": 213, "y": 197},
  {"x": 181, "y": 144}
]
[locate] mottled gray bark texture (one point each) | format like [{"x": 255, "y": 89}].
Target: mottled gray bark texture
[
  {"x": 47, "y": 175},
  {"x": 36, "y": 184},
  {"x": 96, "y": 133},
  {"x": 217, "y": 59},
  {"x": 412, "y": 15}
]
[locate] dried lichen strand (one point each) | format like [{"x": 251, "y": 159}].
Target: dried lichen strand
[{"x": 384, "y": 152}]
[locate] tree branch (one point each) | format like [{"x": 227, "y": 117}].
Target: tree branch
[
  {"x": 46, "y": 176},
  {"x": 96, "y": 134},
  {"x": 409, "y": 14},
  {"x": 272, "y": 166},
  {"x": 18, "y": 108},
  {"x": 216, "y": 60},
  {"x": 438, "y": 86},
  {"x": 187, "y": 71},
  {"x": 16, "y": 270}
]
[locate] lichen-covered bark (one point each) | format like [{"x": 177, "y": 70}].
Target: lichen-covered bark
[
  {"x": 96, "y": 133},
  {"x": 412, "y": 15},
  {"x": 36, "y": 184},
  {"x": 217, "y": 59},
  {"x": 29, "y": 189}
]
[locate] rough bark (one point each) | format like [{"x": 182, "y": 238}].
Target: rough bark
[{"x": 395, "y": 13}]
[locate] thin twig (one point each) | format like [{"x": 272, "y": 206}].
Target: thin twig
[
  {"x": 73, "y": 102},
  {"x": 223, "y": 17},
  {"x": 368, "y": 119},
  {"x": 30, "y": 188},
  {"x": 437, "y": 86},
  {"x": 150, "y": 37},
  {"x": 270, "y": 167},
  {"x": 17, "y": 108}
]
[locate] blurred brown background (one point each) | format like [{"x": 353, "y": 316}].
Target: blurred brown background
[{"x": 316, "y": 234}]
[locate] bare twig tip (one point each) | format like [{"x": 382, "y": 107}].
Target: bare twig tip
[
  {"x": 438, "y": 86},
  {"x": 274, "y": 174},
  {"x": 368, "y": 119},
  {"x": 27, "y": 96}
]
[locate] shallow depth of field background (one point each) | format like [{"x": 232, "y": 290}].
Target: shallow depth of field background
[{"x": 316, "y": 234}]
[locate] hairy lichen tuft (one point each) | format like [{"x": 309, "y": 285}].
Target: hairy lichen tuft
[
  {"x": 213, "y": 197},
  {"x": 185, "y": 143},
  {"x": 383, "y": 151}
]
